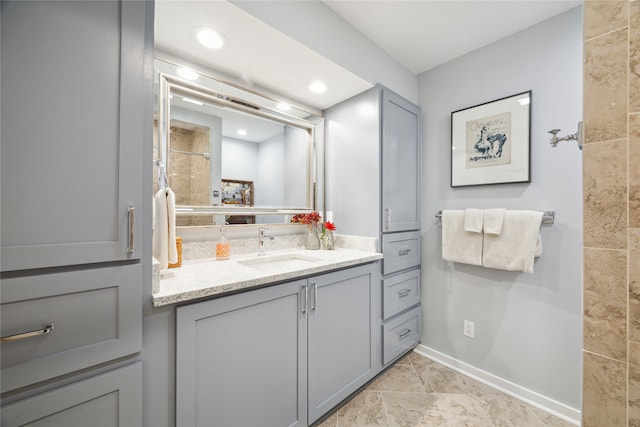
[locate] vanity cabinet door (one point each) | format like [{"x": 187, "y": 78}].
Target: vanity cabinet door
[
  {"x": 342, "y": 333},
  {"x": 241, "y": 359},
  {"x": 73, "y": 82},
  {"x": 400, "y": 164}
]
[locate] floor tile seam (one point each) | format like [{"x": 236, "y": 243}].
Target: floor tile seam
[
  {"x": 418, "y": 377},
  {"x": 384, "y": 408}
]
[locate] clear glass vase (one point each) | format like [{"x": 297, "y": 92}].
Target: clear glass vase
[
  {"x": 328, "y": 240},
  {"x": 311, "y": 239}
]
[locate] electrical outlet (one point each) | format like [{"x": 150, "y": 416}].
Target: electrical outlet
[{"x": 469, "y": 329}]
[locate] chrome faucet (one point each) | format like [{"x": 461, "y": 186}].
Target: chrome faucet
[{"x": 261, "y": 239}]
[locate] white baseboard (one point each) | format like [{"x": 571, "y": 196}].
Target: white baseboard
[{"x": 530, "y": 397}]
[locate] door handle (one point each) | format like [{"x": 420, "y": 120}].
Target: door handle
[
  {"x": 131, "y": 210},
  {"x": 305, "y": 298},
  {"x": 314, "y": 306}
]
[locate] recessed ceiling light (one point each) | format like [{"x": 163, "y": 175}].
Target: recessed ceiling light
[
  {"x": 242, "y": 132},
  {"x": 211, "y": 38},
  {"x": 318, "y": 87},
  {"x": 283, "y": 106},
  {"x": 187, "y": 73}
]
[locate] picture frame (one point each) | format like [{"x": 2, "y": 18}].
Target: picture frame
[{"x": 490, "y": 142}]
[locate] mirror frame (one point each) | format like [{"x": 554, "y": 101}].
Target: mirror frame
[{"x": 229, "y": 95}]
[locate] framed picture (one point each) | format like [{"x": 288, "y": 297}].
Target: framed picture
[{"x": 490, "y": 142}]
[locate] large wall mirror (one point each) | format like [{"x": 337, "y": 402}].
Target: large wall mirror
[{"x": 233, "y": 156}]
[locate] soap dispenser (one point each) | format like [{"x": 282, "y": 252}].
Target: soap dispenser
[{"x": 222, "y": 246}]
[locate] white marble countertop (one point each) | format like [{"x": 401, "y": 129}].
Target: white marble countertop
[{"x": 209, "y": 277}]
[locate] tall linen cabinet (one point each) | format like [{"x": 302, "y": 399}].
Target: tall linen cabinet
[
  {"x": 373, "y": 145},
  {"x": 76, "y": 86}
]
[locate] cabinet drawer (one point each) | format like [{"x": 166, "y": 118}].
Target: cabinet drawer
[
  {"x": 111, "y": 399},
  {"x": 97, "y": 317},
  {"x": 401, "y": 334},
  {"x": 400, "y": 292},
  {"x": 401, "y": 251}
]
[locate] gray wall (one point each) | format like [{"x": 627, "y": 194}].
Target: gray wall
[{"x": 527, "y": 327}]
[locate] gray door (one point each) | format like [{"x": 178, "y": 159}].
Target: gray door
[
  {"x": 72, "y": 81},
  {"x": 340, "y": 325},
  {"x": 400, "y": 164},
  {"x": 241, "y": 360}
]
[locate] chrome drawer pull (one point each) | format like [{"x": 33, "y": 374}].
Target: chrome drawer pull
[
  {"x": 404, "y": 293},
  {"x": 388, "y": 218},
  {"x": 404, "y": 251},
  {"x": 405, "y": 333},
  {"x": 44, "y": 331}
]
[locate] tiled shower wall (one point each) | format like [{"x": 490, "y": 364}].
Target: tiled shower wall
[{"x": 611, "y": 195}]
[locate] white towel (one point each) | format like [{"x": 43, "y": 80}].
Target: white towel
[
  {"x": 164, "y": 238},
  {"x": 493, "y": 219},
  {"x": 457, "y": 244},
  {"x": 473, "y": 220},
  {"x": 515, "y": 248}
]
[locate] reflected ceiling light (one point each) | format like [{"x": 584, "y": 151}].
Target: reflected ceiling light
[
  {"x": 242, "y": 132},
  {"x": 211, "y": 39},
  {"x": 283, "y": 106},
  {"x": 318, "y": 87},
  {"x": 192, "y": 101},
  {"x": 187, "y": 73}
]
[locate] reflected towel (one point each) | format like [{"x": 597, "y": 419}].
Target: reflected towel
[
  {"x": 516, "y": 246},
  {"x": 473, "y": 219},
  {"x": 164, "y": 237},
  {"x": 493, "y": 219},
  {"x": 459, "y": 245}
]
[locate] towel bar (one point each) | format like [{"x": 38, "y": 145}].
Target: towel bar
[{"x": 547, "y": 218}]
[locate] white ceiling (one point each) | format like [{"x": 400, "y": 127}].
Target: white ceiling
[
  {"x": 419, "y": 34},
  {"x": 424, "y": 34}
]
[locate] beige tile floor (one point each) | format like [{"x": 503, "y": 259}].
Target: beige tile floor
[{"x": 419, "y": 392}]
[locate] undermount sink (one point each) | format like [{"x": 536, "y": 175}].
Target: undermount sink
[{"x": 280, "y": 261}]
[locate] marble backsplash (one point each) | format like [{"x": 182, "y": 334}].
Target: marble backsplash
[{"x": 243, "y": 246}]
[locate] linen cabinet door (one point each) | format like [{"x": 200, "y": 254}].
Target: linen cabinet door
[
  {"x": 341, "y": 336},
  {"x": 72, "y": 131},
  {"x": 241, "y": 359},
  {"x": 400, "y": 164}
]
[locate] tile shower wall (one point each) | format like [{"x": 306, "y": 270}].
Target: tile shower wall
[
  {"x": 611, "y": 192},
  {"x": 191, "y": 174}
]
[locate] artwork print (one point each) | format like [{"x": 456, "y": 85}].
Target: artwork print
[{"x": 489, "y": 141}]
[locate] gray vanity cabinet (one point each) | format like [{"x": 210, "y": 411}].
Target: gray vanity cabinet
[
  {"x": 400, "y": 164},
  {"x": 76, "y": 115},
  {"x": 373, "y": 152},
  {"x": 241, "y": 359},
  {"x": 72, "y": 132},
  {"x": 342, "y": 336},
  {"x": 277, "y": 356},
  {"x": 106, "y": 400}
]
